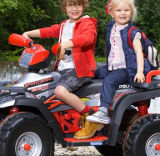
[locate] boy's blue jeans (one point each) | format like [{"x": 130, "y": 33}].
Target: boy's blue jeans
[{"x": 111, "y": 80}]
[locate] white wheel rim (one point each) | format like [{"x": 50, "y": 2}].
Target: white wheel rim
[
  {"x": 28, "y": 144},
  {"x": 153, "y": 145}
]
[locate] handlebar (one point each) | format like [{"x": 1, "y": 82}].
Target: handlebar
[{"x": 21, "y": 41}]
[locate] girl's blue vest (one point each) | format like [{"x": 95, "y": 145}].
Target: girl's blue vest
[{"x": 130, "y": 56}]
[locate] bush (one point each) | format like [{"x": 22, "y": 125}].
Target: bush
[{"x": 18, "y": 16}]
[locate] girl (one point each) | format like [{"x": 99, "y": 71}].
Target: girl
[{"x": 124, "y": 64}]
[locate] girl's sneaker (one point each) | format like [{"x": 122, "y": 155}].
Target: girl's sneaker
[{"x": 99, "y": 117}]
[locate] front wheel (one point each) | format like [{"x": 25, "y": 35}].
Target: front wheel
[
  {"x": 25, "y": 134},
  {"x": 143, "y": 137}
]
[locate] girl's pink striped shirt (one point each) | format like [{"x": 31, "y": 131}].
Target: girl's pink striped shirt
[{"x": 116, "y": 59}]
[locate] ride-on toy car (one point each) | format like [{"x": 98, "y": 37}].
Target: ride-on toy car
[{"x": 32, "y": 117}]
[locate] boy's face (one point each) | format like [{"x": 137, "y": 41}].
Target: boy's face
[{"x": 74, "y": 10}]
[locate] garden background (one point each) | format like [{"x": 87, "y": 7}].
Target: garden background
[{"x": 17, "y": 16}]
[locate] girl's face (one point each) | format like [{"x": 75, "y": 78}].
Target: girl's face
[
  {"x": 74, "y": 11},
  {"x": 121, "y": 12}
]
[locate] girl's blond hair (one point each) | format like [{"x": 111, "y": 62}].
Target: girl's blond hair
[
  {"x": 130, "y": 2},
  {"x": 63, "y": 3}
]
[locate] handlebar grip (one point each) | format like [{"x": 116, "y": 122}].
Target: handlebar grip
[
  {"x": 20, "y": 40},
  {"x": 68, "y": 52},
  {"x": 55, "y": 49}
]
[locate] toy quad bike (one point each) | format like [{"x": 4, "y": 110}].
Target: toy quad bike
[{"x": 31, "y": 117}]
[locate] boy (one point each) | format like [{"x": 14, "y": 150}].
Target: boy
[{"x": 77, "y": 34}]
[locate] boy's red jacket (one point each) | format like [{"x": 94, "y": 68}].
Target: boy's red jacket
[{"x": 84, "y": 41}]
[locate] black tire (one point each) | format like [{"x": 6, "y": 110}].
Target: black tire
[
  {"x": 129, "y": 116},
  {"x": 142, "y": 136},
  {"x": 25, "y": 134},
  {"x": 110, "y": 150}
]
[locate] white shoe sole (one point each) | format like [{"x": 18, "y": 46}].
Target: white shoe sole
[{"x": 97, "y": 120}]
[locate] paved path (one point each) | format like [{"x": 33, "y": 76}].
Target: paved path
[{"x": 76, "y": 151}]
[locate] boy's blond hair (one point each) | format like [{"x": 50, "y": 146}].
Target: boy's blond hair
[
  {"x": 63, "y": 3},
  {"x": 130, "y": 2}
]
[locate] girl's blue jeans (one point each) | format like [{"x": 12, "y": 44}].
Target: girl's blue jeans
[{"x": 111, "y": 80}]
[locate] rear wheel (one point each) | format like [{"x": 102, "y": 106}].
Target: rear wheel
[
  {"x": 129, "y": 116},
  {"x": 25, "y": 134},
  {"x": 110, "y": 150},
  {"x": 143, "y": 137}
]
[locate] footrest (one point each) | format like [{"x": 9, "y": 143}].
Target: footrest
[{"x": 94, "y": 141}]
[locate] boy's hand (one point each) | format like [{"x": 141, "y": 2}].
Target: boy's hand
[
  {"x": 33, "y": 33},
  {"x": 63, "y": 47},
  {"x": 61, "y": 52},
  {"x": 139, "y": 77},
  {"x": 25, "y": 35}
]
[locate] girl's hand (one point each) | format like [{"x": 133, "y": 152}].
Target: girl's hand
[{"x": 139, "y": 77}]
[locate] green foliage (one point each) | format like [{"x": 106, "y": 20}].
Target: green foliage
[
  {"x": 148, "y": 19},
  {"x": 6, "y": 5},
  {"x": 97, "y": 9},
  {"x": 11, "y": 55},
  {"x": 17, "y": 16},
  {"x": 100, "y": 59}
]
